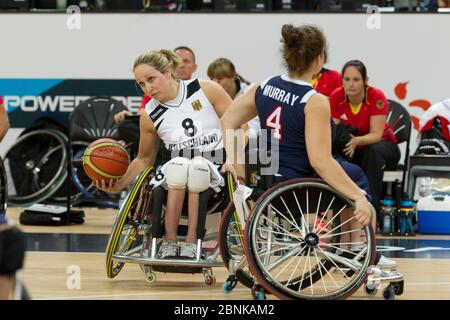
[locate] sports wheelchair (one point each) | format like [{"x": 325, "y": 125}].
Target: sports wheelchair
[
  {"x": 139, "y": 228},
  {"x": 297, "y": 244}
]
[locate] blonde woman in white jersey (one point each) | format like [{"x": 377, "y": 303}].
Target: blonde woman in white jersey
[{"x": 184, "y": 115}]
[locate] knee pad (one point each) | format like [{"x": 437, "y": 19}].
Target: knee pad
[
  {"x": 198, "y": 176},
  {"x": 177, "y": 173}
]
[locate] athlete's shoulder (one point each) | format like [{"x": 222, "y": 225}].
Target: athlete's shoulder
[
  {"x": 374, "y": 94},
  {"x": 266, "y": 81},
  {"x": 338, "y": 95}
]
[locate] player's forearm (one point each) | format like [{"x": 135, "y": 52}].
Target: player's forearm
[
  {"x": 333, "y": 174},
  {"x": 134, "y": 169},
  {"x": 369, "y": 138}
]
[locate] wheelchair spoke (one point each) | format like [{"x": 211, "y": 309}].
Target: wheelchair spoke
[
  {"x": 340, "y": 249},
  {"x": 317, "y": 211},
  {"x": 328, "y": 272},
  {"x": 342, "y": 243},
  {"x": 324, "y": 216},
  {"x": 329, "y": 258},
  {"x": 279, "y": 227},
  {"x": 301, "y": 211},
  {"x": 342, "y": 224},
  {"x": 307, "y": 208},
  {"x": 303, "y": 273},
  {"x": 277, "y": 232},
  {"x": 347, "y": 262},
  {"x": 310, "y": 274},
  {"x": 320, "y": 271},
  {"x": 331, "y": 220},
  {"x": 294, "y": 223},
  {"x": 264, "y": 249},
  {"x": 295, "y": 251},
  {"x": 291, "y": 222},
  {"x": 295, "y": 268},
  {"x": 327, "y": 235}
]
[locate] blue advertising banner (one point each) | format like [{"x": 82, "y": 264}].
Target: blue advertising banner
[{"x": 27, "y": 100}]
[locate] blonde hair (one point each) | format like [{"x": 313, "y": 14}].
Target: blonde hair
[
  {"x": 224, "y": 68},
  {"x": 160, "y": 60}
]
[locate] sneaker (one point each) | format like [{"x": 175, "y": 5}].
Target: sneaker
[
  {"x": 188, "y": 250},
  {"x": 386, "y": 263},
  {"x": 168, "y": 249}
]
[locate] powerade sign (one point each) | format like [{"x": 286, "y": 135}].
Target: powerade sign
[{"x": 27, "y": 100}]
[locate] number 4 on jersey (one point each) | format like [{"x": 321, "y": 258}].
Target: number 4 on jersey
[{"x": 274, "y": 122}]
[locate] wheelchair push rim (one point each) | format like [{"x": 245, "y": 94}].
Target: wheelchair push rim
[
  {"x": 125, "y": 231},
  {"x": 232, "y": 243},
  {"x": 295, "y": 247}
]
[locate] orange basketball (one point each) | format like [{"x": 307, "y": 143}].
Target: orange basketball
[{"x": 105, "y": 159}]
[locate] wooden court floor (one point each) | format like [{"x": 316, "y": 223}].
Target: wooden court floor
[{"x": 49, "y": 275}]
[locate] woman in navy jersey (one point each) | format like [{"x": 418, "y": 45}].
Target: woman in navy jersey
[{"x": 299, "y": 120}]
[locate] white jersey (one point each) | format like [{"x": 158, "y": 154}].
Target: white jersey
[
  {"x": 254, "y": 125},
  {"x": 187, "y": 122}
]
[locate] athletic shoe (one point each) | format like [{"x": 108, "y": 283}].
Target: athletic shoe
[
  {"x": 188, "y": 250},
  {"x": 168, "y": 249}
]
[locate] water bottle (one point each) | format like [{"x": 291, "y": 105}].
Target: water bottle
[
  {"x": 407, "y": 211},
  {"x": 387, "y": 211}
]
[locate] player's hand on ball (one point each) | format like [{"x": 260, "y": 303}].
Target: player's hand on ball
[{"x": 109, "y": 186}]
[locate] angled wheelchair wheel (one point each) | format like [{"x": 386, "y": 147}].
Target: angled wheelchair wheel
[
  {"x": 129, "y": 222},
  {"x": 79, "y": 178},
  {"x": 231, "y": 241},
  {"x": 3, "y": 189},
  {"x": 36, "y": 166},
  {"x": 303, "y": 242},
  {"x": 231, "y": 245}
]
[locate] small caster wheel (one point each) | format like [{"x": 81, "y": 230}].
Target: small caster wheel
[
  {"x": 258, "y": 292},
  {"x": 210, "y": 280},
  {"x": 371, "y": 289},
  {"x": 388, "y": 293},
  {"x": 150, "y": 276},
  {"x": 227, "y": 287},
  {"x": 260, "y": 296},
  {"x": 230, "y": 284}
]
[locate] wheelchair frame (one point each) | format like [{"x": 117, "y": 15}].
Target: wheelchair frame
[{"x": 135, "y": 212}]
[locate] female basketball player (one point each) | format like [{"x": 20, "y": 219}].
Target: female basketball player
[
  {"x": 300, "y": 120},
  {"x": 365, "y": 107},
  {"x": 185, "y": 115}
]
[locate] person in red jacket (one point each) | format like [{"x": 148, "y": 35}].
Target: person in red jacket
[
  {"x": 327, "y": 80},
  {"x": 365, "y": 107}
]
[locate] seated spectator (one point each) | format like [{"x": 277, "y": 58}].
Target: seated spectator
[
  {"x": 365, "y": 107},
  {"x": 326, "y": 80}
]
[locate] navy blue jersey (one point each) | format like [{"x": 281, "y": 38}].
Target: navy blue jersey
[{"x": 280, "y": 102}]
